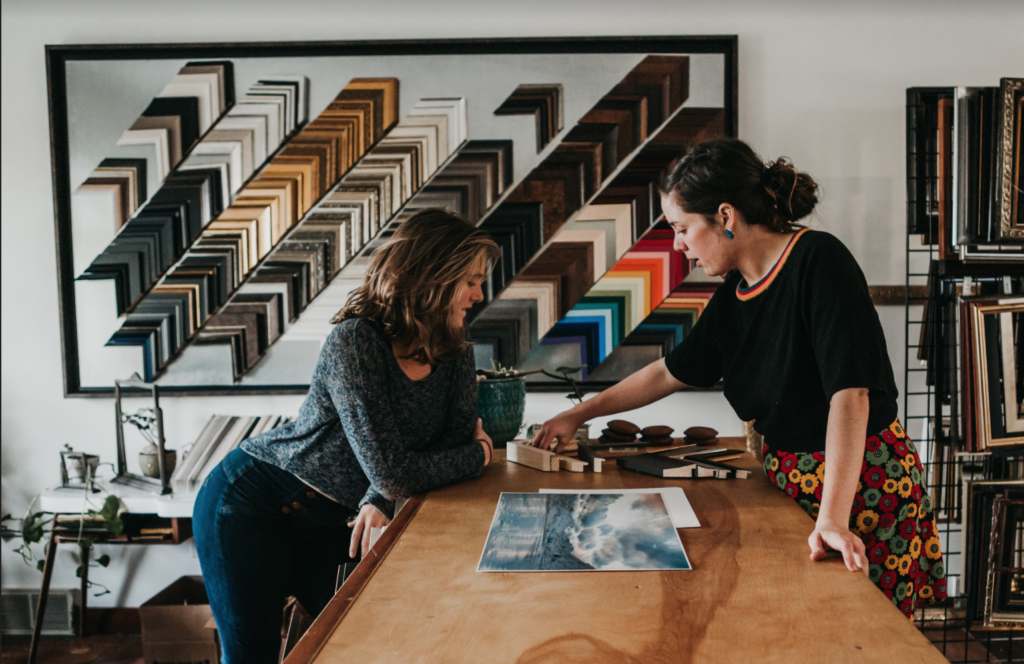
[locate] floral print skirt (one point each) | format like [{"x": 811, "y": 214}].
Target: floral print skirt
[{"x": 891, "y": 512}]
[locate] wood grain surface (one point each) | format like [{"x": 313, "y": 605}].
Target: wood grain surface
[{"x": 753, "y": 595}]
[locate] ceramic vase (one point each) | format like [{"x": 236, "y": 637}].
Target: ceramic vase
[
  {"x": 148, "y": 461},
  {"x": 501, "y": 404}
]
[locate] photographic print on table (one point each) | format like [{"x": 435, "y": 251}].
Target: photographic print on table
[
  {"x": 535, "y": 532},
  {"x": 215, "y": 204}
]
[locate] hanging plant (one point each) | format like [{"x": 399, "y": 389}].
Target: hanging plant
[{"x": 34, "y": 527}]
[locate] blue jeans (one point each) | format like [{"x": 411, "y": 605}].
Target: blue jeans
[{"x": 262, "y": 535}]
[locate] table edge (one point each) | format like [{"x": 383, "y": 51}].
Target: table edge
[{"x": 316, "y": 637}]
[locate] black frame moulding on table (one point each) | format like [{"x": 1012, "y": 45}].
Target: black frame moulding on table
[{"x": 214, "y": 202}]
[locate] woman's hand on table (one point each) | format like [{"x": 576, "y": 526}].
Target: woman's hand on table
[
  {"x": 368, "y": 517},
  {"x": 562, "y": 427},
  {"x": 829, "y": 537},
  {"x": 480, "y": 436}
]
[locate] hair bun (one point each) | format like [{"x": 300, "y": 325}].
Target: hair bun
[
  {"x": 727, "y": 170},
  {"x": 793, "y": 194}
]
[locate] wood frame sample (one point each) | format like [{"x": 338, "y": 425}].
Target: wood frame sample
[{"x": 1005, "y": 430}]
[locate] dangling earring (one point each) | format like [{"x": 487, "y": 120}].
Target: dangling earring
[{"x": 729, "y": 234}]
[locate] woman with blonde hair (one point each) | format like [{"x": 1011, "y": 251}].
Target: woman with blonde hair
[{"x": 391, "y": 411}]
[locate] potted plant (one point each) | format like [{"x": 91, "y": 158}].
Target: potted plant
[
  {"x": 502, "y": 399},
  {"x": 145, "y": 421}
]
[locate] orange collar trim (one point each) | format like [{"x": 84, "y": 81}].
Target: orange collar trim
[{"x": 750, "y": 293}]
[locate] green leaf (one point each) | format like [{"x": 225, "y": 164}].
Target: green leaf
[
  {"x": 32, "y": 527},
  {"x": 114, "y": 526},
  {"x": 567, "y": 370},
  {"x": 80, "y": 571},
  {"x": 5, "y": 517},
  {"x": 111, "y": 506},
  {"x": 103, "y": 560},
  {"x": 85, "y": 543},
  {"x": 41, "y": 565}
]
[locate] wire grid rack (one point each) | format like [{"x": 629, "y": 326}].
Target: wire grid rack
[{"x": 931, "y": 415}]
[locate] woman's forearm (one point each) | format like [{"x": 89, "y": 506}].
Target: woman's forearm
[
  {"x": 644, "y": 387},
  {"x": 844, "y": 454}
]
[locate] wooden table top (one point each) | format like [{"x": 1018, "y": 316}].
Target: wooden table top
[{"x": 753, "y": 593}]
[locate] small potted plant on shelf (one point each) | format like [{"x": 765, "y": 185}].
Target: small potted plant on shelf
[{"x": 145, "y": 421}]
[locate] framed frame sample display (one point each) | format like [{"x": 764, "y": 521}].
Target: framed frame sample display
[{"x": 215, "y": 204}]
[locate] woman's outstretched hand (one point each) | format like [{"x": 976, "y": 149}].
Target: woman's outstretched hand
[
  {"x": 557, "y": 432},
  {"x": 827, "y": 537},
  {"x": 481, "y": 437},
  {"x": 368, "y": 517}
]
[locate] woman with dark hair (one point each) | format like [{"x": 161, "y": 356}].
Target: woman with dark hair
[
  {"x": 794, "y": 338},
  {"x": 391, "y": 411}
]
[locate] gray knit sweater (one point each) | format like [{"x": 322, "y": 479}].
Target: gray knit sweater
[{"x": 367, "y": 433}]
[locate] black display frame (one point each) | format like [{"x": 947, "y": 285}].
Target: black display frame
[{"x": 57, "y": 57}]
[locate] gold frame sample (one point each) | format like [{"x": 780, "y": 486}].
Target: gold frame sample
[{"x": 1008, "y": 159}]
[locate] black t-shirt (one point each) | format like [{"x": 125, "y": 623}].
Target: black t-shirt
[{"x": 785, "y": 345}]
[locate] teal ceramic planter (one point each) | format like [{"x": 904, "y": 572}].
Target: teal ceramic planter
[{"x": 501, "y": 403}]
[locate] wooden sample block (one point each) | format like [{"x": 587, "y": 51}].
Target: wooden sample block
[
  {"x": 534, "y": 457},
  {"x": 570, "y": 464}
]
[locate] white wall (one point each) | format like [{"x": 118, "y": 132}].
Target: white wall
[{"x": 824, "y": 86}]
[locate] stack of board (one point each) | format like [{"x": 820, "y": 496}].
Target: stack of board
[
  {"x": 686, "y": 461},
  {"x": 221, "y": 434}
]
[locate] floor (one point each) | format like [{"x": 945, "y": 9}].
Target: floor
[
  {"x": 103, "y": 649},
  {"x": 980, "y": 646}
]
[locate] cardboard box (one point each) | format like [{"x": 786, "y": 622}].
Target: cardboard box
[{"x": 174, "y": 625}]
